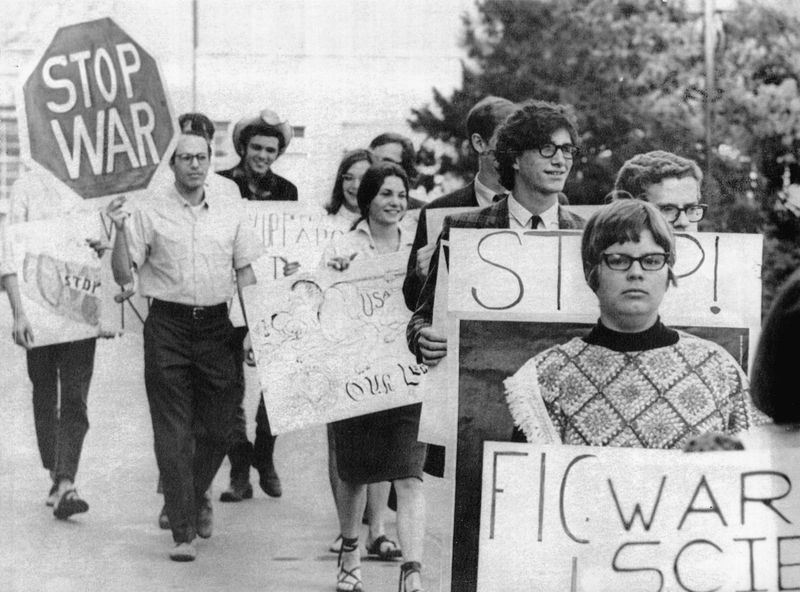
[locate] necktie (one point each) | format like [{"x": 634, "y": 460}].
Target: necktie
[
  {"x": 535, "y": 221},
  {"x": 498, "y": 197}
]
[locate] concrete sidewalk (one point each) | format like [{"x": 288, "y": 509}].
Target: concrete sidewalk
[{"x": 261, "y": 544}]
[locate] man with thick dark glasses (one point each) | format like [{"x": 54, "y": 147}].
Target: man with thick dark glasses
[
  {"x": 536, "y": 147},
  {"x": 668, "y": 181}
]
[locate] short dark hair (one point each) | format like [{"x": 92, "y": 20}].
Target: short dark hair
[
  {"x": 530, "y": 126},
  {"x": 198, "y": 123},
  {"x": 773, "y": 378},
  {"x": 191, "y": 133},
  {"x": 351, "y": 158},
  {"x": 260, "y": 129},
  {"x": 619, "y": 222},
  {"x": 409, "y": 155},
  {"x": 637, "y": 174},
  {"x": 372, "y": 181},
  {"x": 486, "y": 115}
]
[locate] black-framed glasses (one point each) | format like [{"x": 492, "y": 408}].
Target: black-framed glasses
[
  {"x": 549, "y": 150},
  {"x": 201, "y": 157},
  {"x": 623, "y": 262},
  {"x": 694, "y": 213}
]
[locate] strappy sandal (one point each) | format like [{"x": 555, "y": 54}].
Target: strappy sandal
[
  {"x": 384, "y": 549},
  {"x": 68, "y": 504},
  {"x": 408, "y": 568},
  {"x": 349, "y": 580}
]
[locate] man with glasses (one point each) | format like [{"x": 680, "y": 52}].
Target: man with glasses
[
  {"x": 669, "y": 182},
  {"x": 536, "y": 147},
  {"x": 185, "y": 242}
]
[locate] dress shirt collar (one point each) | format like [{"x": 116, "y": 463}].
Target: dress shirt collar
[
  {"x": 177, "y": 195},
  {"x": 520, "y": 217},
  {"x": 483, "y": 194}
]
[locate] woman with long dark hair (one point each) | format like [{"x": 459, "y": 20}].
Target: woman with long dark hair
[{"x": 379, "y": 446}]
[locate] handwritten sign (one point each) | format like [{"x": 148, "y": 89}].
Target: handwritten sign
[
  {"x": 331, "y": 345},
  {"x": 610, "y": 519},
  {"x": 541, "y": 272},
  {"x": 59, "y": 277},
  {"x": 512, "y": 294}
]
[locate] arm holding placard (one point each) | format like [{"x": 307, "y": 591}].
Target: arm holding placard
[{"x": 426, "y": 342}]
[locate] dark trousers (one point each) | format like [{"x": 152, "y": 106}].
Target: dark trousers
[
  {"x": 60, "y": 414},
  {"x": 241, "y": 453},
  {"x": 193, "y": 388}
]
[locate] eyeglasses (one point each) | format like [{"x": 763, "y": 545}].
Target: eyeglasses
[
  {"x": 648, "y": 261},
  {"x": 188, "y": 158},
  {"x": 694, "y": 213},
  {"x": 549, "y": 150}
]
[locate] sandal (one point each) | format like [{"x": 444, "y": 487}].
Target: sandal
[
  {"x": 408, "y": 568},
  {"x": 384, "y": 549},
  {"x": 68, "y": 504},
  {"x": 336, "y": 545},
  {"x": 349, "y": 580}
]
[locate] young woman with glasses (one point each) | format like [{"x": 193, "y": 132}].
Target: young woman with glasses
[{"x": 631, "y": 381}]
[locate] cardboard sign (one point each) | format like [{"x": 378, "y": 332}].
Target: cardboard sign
[
  {"x": 331, "y": 345},
  {"x": 513, "y": 294},
  {"x": 557, "y": 518},
  {"x": 63, "y": 285}
]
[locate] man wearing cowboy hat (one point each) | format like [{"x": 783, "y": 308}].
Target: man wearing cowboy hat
[{"x": 259, "y": 141}]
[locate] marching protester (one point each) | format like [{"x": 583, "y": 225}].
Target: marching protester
[
  {"x": 379, "y": 446},
  {"x": 631, "y": 381},
  {"x": 343, "y": 208},
  {"x": 60, "y": 373},
  {"x": 185, "y": 242},
  {"x": 669, "y": 182},
  {"x": 397, "y": 148},
  {"x": 535, "y": 149},
  {"x": 259, "y": 140},
  {"x": 482, "y": 122}
]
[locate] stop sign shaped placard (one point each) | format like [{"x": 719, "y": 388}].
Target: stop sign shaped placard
[{"x": 96, "y": 114}]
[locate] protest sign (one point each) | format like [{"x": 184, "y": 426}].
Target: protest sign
[
  {"x": 94, "y": 111},
  {"x": 331, "y": 345},
  {"x": 68, "y": 291},
  {"x": 559, "y": 518},
  {"x": 513, "y": 294}
]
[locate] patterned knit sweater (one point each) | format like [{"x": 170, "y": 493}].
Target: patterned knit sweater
[{"x": 657, "y": 398}]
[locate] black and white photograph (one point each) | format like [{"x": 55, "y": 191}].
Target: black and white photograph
[{"x": 347, "y": 295}]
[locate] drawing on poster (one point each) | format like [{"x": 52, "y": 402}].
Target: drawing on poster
[{"x": 332, "y": 345}]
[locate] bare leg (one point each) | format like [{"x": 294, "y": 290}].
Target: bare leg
[
  {"x": 351, "y": 508},
  {"x": 411, "y": 523},
  {"x": 377, "y": 495}
]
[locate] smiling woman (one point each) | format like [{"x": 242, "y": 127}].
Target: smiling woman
[{"x": 631, "y": 381}]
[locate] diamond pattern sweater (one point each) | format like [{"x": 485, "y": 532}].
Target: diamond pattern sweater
[{"x": 657, "y": 398}]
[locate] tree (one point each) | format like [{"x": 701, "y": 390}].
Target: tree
[{"x": 634, "y": 71}]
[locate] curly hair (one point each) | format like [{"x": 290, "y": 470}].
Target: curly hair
[
  {"x": 530, "y": 126},
  {"x": 348, "y": 160},
  {"x": 649, "y": 168}
]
